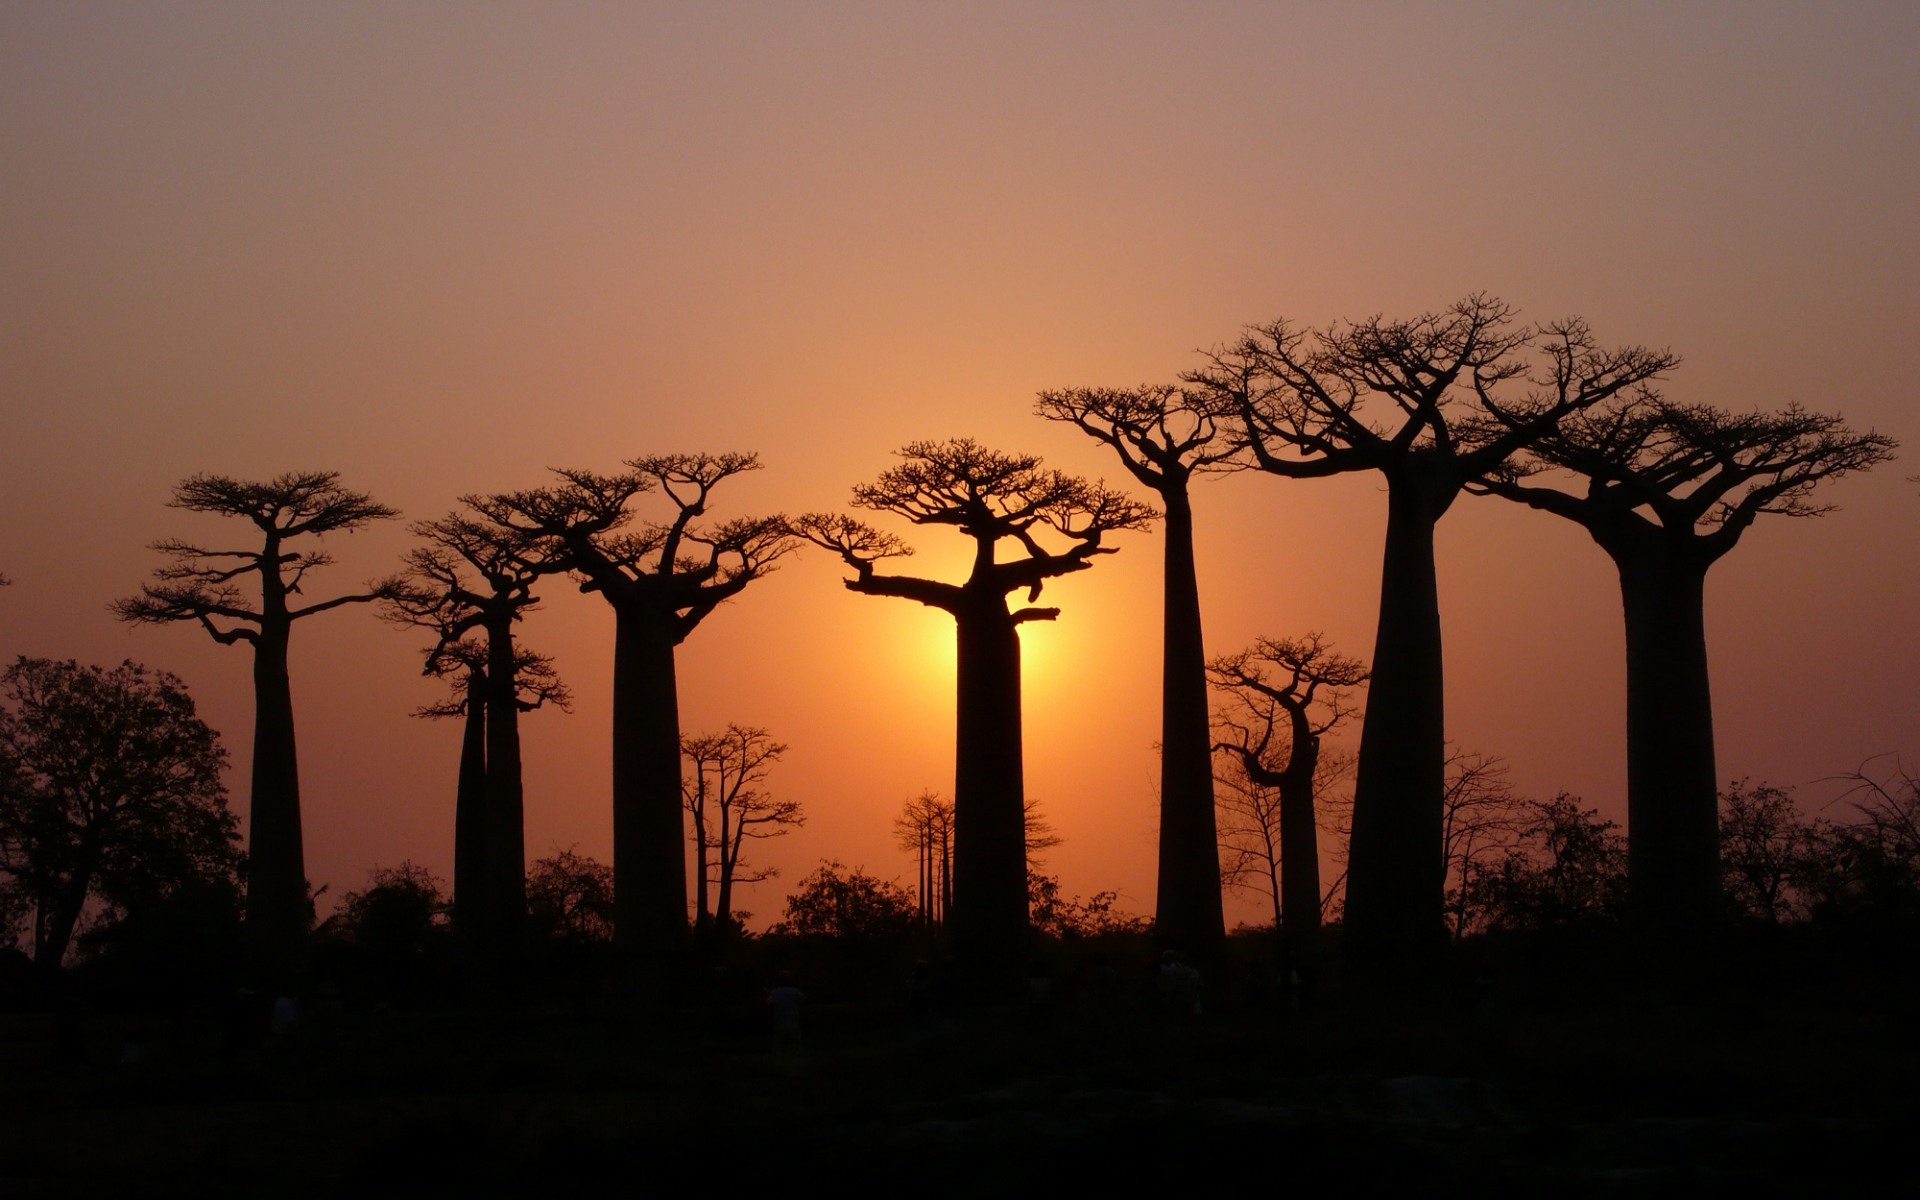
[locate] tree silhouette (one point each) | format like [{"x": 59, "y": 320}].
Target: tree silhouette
[
  {"x": 475, "y": 577},
  {"x": 1431, "y": 403},
  {"x": 202, "y": 585},
  {"x": 1289, "y": 693},
  {"x": 1667, "y": 490},
  {"x": 989, "y": 497},
  {"x": 925, "y": 826},
  {"x": 110, "y": 793},
  {"x": 661, "y": 580},
  {"x": 724, "y": 793},
  {"x": 1482, "y": 823},
  {"x": 1165, "y": 436}
]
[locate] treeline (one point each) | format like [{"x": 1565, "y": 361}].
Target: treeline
[{"x": 1467, "y": 401}]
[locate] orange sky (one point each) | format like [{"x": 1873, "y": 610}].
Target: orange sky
[{"x": 441, "y": 247}]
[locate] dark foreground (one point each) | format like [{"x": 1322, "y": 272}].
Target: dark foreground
[{"x": 1492, "y": 1092}]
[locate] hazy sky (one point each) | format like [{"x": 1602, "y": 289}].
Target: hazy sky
[{"x": 442, "y": 247}]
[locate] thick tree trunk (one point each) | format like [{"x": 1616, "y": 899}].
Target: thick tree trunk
[
  {"x": 989, "y": 915},
  {"x": 1673, "y": 838},
  {"x": 506, "y": 817},
  {"x": 1188, "y": 911},
  {"x": 60, "y": 917},
  {"x": 470, "y": 891},
  {"x": 1299, "y": 837},
  {"x": 278, "y": 910},
  {"x": 649, "y": 834},
  {"x": 1395, "y": 886}
]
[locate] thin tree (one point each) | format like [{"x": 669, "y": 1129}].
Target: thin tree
[
  {"x": 202, "y": 585},
  {"x": 990, "y": 498},
  {"x": 724, "y": 791},
  {"x": 1431, "y": 403},
  {"x": 1667, "y": 490},
  {"x": 1482, "y": 822},
  {"x": 475, "y": 577},
  {"x": 661, "y": 579},
  {"x": 1288, "y": 694},
  {"x": 925, "y": 827},
  {"x": 1165, "y": 436}
]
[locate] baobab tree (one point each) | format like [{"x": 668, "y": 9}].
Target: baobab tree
[
  {"x": 1667, "y": 490},
  {"x": 661, "y": 578},
  {"x": 473, "y": 577},
  {"x": 202, "y": 585},
  {"x": 1431, "y": 403},
  {"x": 1165, "y": 436},
  {"x": 725, "y": 794},
  {"x": 1287, "y": 694},
  {"x": 990, "y": 498},
  {"x": 925, "y": 826}
]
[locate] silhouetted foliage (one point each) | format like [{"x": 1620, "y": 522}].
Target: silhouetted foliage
[
  {"x": 1165, "y": 436},
  {"x": 1285, "y": 695},
  {"x": 661, "y": 579},
  {"x": 1769, "y": 854},
  {"x": 838, "y": 901},
  {"x": 1431, "y": 403},
  {"x": 1667, "y": 490},
  {"x": 111, "y": 799},
  {"x": 1869, "y": 867},
  {"x": 724, "y": 790},
  {"x": 1568, "y": 866},
  {"x": 202, "y": 585},
  {"x": 989, "y": 497},
  {"x": 571, "y": 897},
  {"x": 1483, "y": 820},
  {"x": 1056, "y": 915}
]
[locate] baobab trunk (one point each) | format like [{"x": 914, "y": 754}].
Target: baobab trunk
[
  {"x": 1395, "y": 886},
  {"x": 470, "y": 891},
  {"x": 1673, "y": 851},
  {"x": 506, "y": 819},
  {"x": 649, "y": 855},
  {"x": 1299, "y": 895},
  {"x": 989, "y": 917},
  {"x": 278, "y": 910},
  {"x": 1188, "y": 908}
]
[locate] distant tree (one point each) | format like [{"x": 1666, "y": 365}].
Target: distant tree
[
  {"x": 1431, "y": 403},
  {"x": 1568, "y": 866},
  {"x": 1483, "y": 821},
  {"x": 1165, "y": 436},
  {"x": 202, "y": 585},
  {"x": 110, "y": 792},
  {"x": 1767, "y": 851},
  {"x": 840, "y": 902},
  {"x": 1869, "y": 866},
  {"x": 725, "y": 792},
  {"x": 661, "y": 580},
  {"x": 1285, "y": 695},
  {"x": 468, "y": 585},
  {"x": 571, "y": 897},
  {"x": 1667, "y": 490},
  {"x": 396, "y": 918},
  {"x": 925, "y": 827},
  {"x": 989, "y": 497}
]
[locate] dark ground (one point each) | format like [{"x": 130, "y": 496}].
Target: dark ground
[{"x": 1771, "y": 1083}]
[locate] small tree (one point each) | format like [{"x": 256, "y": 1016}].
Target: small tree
[
  {"x": 1569, "y": 866},
  {"x": 110, "y": 792},
  {"x": 1483, "y": 821},
  {"x": 571, "y": 897},
  {"x": 202, "y": 585},
  {"x": 840, "y": 902},
  {"x": 1766, "y": 852},
  {"x": 1285, "y": 696},
  {"x": 724, "y": 790},
  {"x": 990, "y": 498}
]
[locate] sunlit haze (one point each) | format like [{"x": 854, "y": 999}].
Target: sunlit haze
[{"x": 443, "y": 248}]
